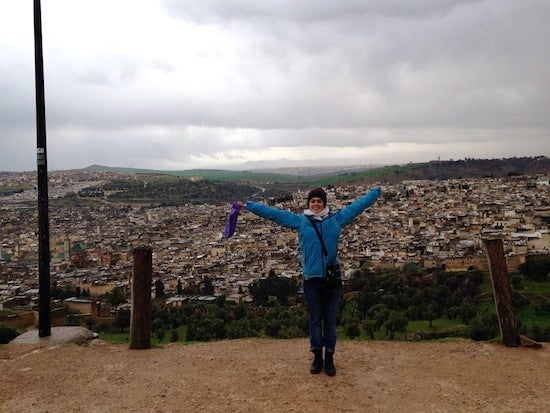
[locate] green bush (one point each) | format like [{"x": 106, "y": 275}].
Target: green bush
[
  {"x": 174, "y": 336},
  {"x": 484, "y": 327},
  {"x": 7, "y": 333},
  {"x": 541, "y": 333},
  {"x": 536, "y": 270},
  {"x": 352, "y": 330}
]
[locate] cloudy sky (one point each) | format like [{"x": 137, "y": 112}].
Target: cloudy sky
[{"x": 181, "y": 84}]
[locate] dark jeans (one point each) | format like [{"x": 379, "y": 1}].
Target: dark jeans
[{"x": 322, "y": 306}]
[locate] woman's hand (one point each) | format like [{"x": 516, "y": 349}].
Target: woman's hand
[{"x": 241, "y": 204}]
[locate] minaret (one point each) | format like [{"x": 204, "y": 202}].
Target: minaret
[{"x": 67, "y": 248}]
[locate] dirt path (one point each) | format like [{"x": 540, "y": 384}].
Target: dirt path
[{"x": 259, "y": 375}]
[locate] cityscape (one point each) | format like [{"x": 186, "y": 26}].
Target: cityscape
[{"x": 432, "y": 224}]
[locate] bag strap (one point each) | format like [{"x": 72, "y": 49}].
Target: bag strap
[{"x": 319, "y": 235}]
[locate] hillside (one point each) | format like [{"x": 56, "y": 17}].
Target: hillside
[
  {"x": 284, "y": 180},
  {"x": 259, "y": 375},
  {"x": 217, "y": 186},
  {"x": 479, "y": 168},
  {"x": 466, "y": 168},
  {"x": 210, "y": 174},
  {"x": 441, "y": 170}
]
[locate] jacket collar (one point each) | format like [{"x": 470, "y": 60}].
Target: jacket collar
[{"x": 320, "y": 216}]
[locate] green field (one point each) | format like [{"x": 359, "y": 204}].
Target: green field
[{"x": 260, "y": 177}]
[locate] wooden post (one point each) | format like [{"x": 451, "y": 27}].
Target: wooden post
[
  {"x": 140, "y": 327},
  {"x": 502, "y": 292}
]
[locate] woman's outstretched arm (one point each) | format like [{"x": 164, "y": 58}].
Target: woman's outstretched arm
[{"x": 284, "y": 218}]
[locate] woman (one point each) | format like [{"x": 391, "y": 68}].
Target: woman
[{"x": 316, "y": 226}]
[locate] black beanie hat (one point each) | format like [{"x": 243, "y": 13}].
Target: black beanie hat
[{"x": 317, "y": 193}]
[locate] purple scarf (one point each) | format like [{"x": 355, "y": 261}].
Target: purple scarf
[{"x": 231, "y": 225}]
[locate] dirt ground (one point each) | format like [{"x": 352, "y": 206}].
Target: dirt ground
[{"x": 261, "y": 375}]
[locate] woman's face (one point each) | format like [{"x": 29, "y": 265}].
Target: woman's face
[{"x": 316, "y": 205}]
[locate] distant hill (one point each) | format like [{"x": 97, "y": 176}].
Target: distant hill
[
  {"x": 464, "y": 168},
  {"x": 210, "y": 174},
  {"x": 480, "y": 168},
  {"x": 460, "y": 169}
]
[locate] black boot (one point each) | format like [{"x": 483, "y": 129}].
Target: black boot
[
  {"x": 329, "y": 363},
  {"x": 317, "y": 365}
]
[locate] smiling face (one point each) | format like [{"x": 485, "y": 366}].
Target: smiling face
[{"x": 316, "y": 205}]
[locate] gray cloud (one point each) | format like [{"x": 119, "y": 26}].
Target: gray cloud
[
  {"x": 305, "y": 11},
  {"x": 187, "y": 83}
]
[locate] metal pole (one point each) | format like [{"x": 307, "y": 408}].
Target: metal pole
[{"x": 44, "y": 314}]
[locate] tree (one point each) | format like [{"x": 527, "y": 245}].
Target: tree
[
  {"x": 349, "y": 313},
  {"x": 291, "y": 332},
  {"x": 516, "y": 281},
  {"x": 411, "y": 269},
  {"x": 370, "y": 327},
  {"x": 396, "y": 323},
  {"x": 414, "y": 312},
  {"x": 245, "y": 327},
  {"x": 208, "y": 288},
  {"x": 115, "y": 297},
  {"x": 74, "y": 319},
  {"x": 285, "y": 322},
  {"x": 159, "y": 334},
  {"x": 159, "y": 288},
  {"x": 122, "y": 319},
  {"x": 467, "y": 311},
  {"x": 540, "y": 333},
  {"x": 273, "y": 286},
  {"x": 273, "y": 328},
  {"x": 352, "y": 330},
  {"x": 484, "y": 327},
  {"x": 430, "y": 314},
  {"x": 379, "y": 313},
  {"x": 7, "y": 333},
  {"x": 366, "y": 299},
  {"x": 205, "y": 329},
  {"x": 240, "y": 311},
  {"x": 157, "y": 324},
  {"x": 536, "y": 270},
  {"x": 174, "y": 336},
  {"x": 90, "y": 323}
]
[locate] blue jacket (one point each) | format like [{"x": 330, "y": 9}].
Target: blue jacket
[{"x": 313, "y": 260}]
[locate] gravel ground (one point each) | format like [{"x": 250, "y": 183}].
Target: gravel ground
[{"x": 261, "y": 375}]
